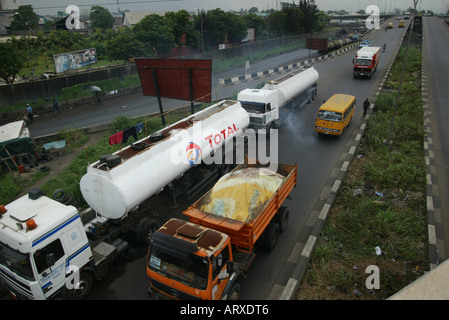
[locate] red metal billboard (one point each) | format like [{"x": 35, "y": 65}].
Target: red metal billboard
[
  {"x": 183, "y": 79},
  {"x": 316, "y": 44}
]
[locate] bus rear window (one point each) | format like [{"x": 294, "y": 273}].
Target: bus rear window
[{"x": 329, "y": 115}]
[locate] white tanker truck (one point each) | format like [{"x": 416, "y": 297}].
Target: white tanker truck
[
  {"x": 46, "y": 246},
  {"x": 292, "y": 91}
]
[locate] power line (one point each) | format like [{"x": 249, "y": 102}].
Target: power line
[{"x": 104, "y": 4}]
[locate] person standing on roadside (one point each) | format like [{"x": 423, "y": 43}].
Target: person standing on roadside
[
  {"x": 365, "y": 107},
  {"x": 56, "y": 107},
  {"x": 30, "y": 112}
]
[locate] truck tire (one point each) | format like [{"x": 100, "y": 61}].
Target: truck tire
[
  {"x": 282, "y": 218},
  {"x": 271, "y": 236},
  {"x": 234, "y": 293},
  {"x": 86, "y": 283},
  {"x": 146, "y": 228},
  {"x": 61, "y": 196}
]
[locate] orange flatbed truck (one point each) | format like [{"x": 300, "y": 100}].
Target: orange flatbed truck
[{"x": 206, "y": 257}]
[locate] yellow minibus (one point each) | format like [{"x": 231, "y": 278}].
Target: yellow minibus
[{"x": 335, "y": 114}]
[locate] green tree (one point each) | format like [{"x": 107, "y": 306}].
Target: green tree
[
  {"x": 11, "y": 61},
  {"x": 323, "y": 20},
  {"x": 123, "y": 46},
  {"x": 276, "y": 24},
  {"x": 237, "y": 29},
  {"x": 220, "y": 27},
  {"x": 25, "y": 19},
  {"x": 293, "y": 21},
  {"x": 49, "y": 25},
  {"x": 258, "y": 23},
  {"x": 101, "y": 18},
  {"x": 309, "y": 21},
  {"x": 64, "y": 41},
  {"x": 156, "y": 33},
  {"x": 183, "y": 29}
]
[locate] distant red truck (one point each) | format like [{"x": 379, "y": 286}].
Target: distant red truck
[{"x": 366, "y": 61}]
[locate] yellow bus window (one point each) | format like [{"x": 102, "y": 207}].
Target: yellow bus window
[{"x": 329, "y": 115}]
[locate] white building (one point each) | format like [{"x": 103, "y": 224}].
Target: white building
[{"x": 132, "y": 18}]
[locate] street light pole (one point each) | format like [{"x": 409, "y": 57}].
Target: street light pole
[
  {"x": 201, "y": 20},
  {"x": 28, "y": 47}
]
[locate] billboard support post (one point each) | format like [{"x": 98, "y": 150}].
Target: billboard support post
[
  {"x": 156, "y": 86},
  {"x": 192, "y": 104}
]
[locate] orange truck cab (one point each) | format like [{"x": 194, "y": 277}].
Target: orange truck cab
[
  {"x": 188, "y": 261},
  {"x": 206, "y": 257}
]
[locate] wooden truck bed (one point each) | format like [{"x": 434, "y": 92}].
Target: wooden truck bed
[{"x": 244, "y": 235}]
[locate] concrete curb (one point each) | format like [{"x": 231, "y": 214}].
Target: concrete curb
[{"x": 432, "y": 203}]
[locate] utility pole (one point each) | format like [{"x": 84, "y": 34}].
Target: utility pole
[
  {"x": 28, "y": 46},
  {"x": 201, "y": 20}
]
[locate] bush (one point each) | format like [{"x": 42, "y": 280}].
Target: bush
[
  {"x": 9, "y": 189},
  {"x": 385, "y": 101}
]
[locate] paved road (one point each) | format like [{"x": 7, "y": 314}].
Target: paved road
[{"x": 436, "y": 46}]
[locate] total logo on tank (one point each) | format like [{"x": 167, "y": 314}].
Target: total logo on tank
[
  {"x": 218, "y": 138},
  {"x": 193, "y": 152}
]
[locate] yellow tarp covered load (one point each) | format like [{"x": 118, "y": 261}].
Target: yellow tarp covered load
[{"x": 241, "y": 195}]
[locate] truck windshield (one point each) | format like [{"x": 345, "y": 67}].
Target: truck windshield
[
  {"x": 256, "y": 107},
  {"x": 192, "y": 271},
  {"x": 17, "y": 262},
  {"x": 363, "y": 62},
  {"x": 329, "y": 115}
]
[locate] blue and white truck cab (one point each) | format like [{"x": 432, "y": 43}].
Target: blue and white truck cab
[{"x": 41, "y": 240}]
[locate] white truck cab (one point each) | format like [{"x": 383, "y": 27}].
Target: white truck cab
[
  {"x": 40, "y": 239},
  {"x": 293, "y": 90},
  {"x": 262, "y": 106}
]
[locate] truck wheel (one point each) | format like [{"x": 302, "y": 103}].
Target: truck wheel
[
  {"x": 146, "y": 228},
  {"x": 271, "y": 237},
  {"x": 282, "y": 218},
  {"x": 86, "y": 282},
  {"x": 235, "y": 292}
]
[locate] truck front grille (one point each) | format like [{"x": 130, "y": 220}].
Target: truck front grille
[
  {"x": 21, "y": 290},
  {"x": 171, "y": 291}
]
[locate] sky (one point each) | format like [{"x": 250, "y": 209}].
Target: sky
[{"x": 44, "y": 7}]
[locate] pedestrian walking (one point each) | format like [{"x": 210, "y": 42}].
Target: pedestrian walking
[
  {"x": 365, "y": 107},
  {"x": 30, "y": 112},
  {"x": 97, "y": 92},
  {"x": 56, "y": 107}
]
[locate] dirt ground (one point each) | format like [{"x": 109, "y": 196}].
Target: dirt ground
[{"x": 61, "y": 159}]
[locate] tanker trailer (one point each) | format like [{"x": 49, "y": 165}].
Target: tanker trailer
[
  {"x": 293, "y": 90},
  {"x": 117, "y": 184}
]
